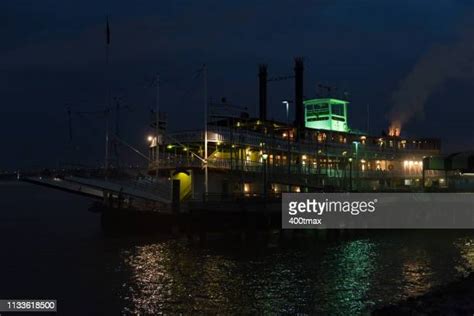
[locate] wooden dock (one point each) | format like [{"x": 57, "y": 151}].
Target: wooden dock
[{"x": 126, "y": 207}]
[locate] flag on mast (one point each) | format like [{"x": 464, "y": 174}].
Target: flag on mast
[{"x": 107, "y": 32}]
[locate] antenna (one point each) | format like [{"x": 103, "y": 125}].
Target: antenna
[
  {"x": 368, "y": 119},
  {"x": 326, "y": 88}
]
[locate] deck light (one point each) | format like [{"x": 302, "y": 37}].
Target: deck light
[
  {"x": 287, "y": 107},
  {"x": 150, "y": 138},
  {"x": 246, "y": 187}
]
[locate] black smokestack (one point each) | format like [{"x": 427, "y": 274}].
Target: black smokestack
[
  {"x": 262, "y": 78},
  {"x": 299, "y": 116}
]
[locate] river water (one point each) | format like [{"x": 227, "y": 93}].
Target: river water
[{"x": 53, "y": 248}]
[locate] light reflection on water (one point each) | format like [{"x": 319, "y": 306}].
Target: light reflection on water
[
  {"x": 417, "y": 275},
  {"x": 349, "y": 272},
  {"x": 306, "y": 276},
  {"x": 312, "y": 275}
]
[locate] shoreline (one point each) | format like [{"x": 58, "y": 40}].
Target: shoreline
[{"x": 455, "y": 298}]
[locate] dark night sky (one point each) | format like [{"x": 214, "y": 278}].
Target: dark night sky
[{"x": 52, "y": 54}]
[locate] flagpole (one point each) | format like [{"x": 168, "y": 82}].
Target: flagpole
[{"x": 107, "y": 42}]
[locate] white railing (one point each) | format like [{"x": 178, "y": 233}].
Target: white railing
[{"x": 249, "y": 138}]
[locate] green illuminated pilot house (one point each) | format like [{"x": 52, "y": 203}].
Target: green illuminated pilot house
[
  {"x": 255, "y": 156},
  {"x": 326, "y": 114}
]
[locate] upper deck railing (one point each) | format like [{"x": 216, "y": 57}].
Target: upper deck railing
[
  {"x": 344, "y": 171},
  {"x": 244, "y": 137}
]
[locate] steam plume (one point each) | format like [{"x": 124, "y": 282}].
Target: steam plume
[{"x": 439, "y": 64}]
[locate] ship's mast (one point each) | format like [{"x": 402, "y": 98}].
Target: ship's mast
[
  {"x": 157, "y": 150},
  {"x": 206, "y": 188}
]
